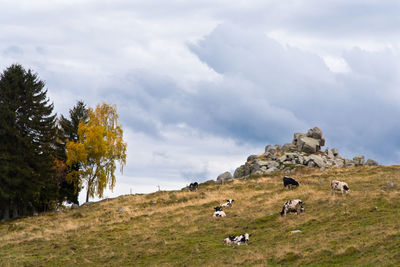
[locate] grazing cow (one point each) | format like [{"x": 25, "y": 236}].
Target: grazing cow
[
  {"x": 295, "y": 205},
  {"x": 193, "y": 186},
  {"x": 339, "y": 186},
  {"x": 237, "y": 240},
  {"x": 289, "y": 182},
  {"x": 219, "y": 212},
  {"x": 228, "y": 203}
]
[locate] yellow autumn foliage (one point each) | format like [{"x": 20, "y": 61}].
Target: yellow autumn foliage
[{"x": 99, "y": 146}]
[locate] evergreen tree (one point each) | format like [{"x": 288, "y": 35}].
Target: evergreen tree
[
  {"x": 27, "y": 138},
  {"x": 68, "y": 131}
]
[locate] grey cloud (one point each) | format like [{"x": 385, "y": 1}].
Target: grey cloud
[
  {"x": 267, "y": 92},
  {"x": 13, "y": 51},
  {"x": 344, "y": 19},
  {"x": 195, "y": 175}
]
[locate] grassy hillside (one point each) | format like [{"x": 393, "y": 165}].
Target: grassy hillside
[{"x": 176, "y": 228}]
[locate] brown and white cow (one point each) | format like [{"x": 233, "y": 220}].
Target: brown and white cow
[
  {"x": 339, "y": 186},
  {"x": 295, "y": 205}
]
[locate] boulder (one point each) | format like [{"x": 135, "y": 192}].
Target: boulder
[
  {"x": 281, "y": 159},
  {"x": 288, "y": 147},
  {"x": 371, "y": 162},
  {"x": 254, "y": 168},
  {"x": 261, "y": 162},
  {"x": 120, "y": 209},
  {"x": 271, "y": 170},
  {"x": 74, "y": 206},
  {"x": 349, "y": 163},
  {"x": 272, "y": 149},
  {"x": 272, "y": 165},
  {"x": 308, "y": 145},
  {"x": 315, "y": 133},
  {"x": 297, "y": 137},
  {"x": 339, "y": 163},
  {"x": 224, "y": 177},
  {"x": 329, "y": 153},
  {"x": 251, "y": 158},
  {"x": 311, "y": 164},
  {"x": 358, "y": 160},
  {"x": 311, "y": 142},
  {"x": 335, "y": 152},
  {"x": 318, "y": 160},
  {"x": 239, "y": 172}
]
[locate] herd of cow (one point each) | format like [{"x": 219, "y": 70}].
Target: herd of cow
[{"x": 295, "y": 205}]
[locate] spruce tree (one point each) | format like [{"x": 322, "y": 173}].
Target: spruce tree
[
  {"x": 27, "y": 143},
  {"x": 68, "y": 131}
]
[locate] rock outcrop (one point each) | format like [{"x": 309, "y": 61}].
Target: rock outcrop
[{"x": 304, "y": 150}]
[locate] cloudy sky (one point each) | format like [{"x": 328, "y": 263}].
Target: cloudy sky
[{"x": 200, "y": 85}]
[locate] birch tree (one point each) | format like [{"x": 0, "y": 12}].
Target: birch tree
[{"x": 100, "y": 146}]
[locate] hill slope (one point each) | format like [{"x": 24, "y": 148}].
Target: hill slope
[{"x": 176, "y": 228}]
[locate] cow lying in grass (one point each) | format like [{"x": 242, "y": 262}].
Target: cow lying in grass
[
  {"x": 193, "y": 186},
  {"x": 237, "y": 240},
  {"x": 228, "y": 203},
  {"x": 219, "y": 212},
  {"x": 289, "y": 182},
  {"x": 295, "y": 205},
  {"x": 339, "y": 186}
]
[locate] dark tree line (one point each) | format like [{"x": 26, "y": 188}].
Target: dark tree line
[{"x": 33, "y": 170}]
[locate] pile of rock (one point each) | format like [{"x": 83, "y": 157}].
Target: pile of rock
[{"x": 305, "y": 150}]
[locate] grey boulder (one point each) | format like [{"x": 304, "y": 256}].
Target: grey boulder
[
  {"x": 308, "y": 144},
  {"x": 224, "y": 177},
  {"x": 371, "y": 162},
  {"x": 318, "y": 161},
  {"x": 358, "y": 160},
  {"x": 251, "y": 158},
  {"x": 335, "y": 152}
]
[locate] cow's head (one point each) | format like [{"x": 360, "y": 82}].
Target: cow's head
[
  {"x": 346, "y": 189},
  {"x": 301, "y": 206},
  {"x": 246, "y": 237},
  {"x": 218, "y": 208}
]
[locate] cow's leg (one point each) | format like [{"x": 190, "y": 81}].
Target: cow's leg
[{"x": 298, "y": 209}]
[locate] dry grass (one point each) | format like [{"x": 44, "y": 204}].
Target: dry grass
[{"x": 176, "y": 228}]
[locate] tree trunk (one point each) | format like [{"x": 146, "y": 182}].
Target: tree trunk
[
  {"x": 25, "y": 211},
  {"x": 6, "y": 212},
  {"x": 87, "y": 192},
  {"x": 15, "y": 210}
]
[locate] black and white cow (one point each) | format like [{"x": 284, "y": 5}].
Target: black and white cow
[
  {"x": 193, "y": 186},
  {"x": 339, "y": 186},
  {"x": 219, "y": 212},
  {"x": 289, "y": 182},
  {"x": 237, "y": 240},
  {"x": 295, "y": 205},
  {"x": 228, "y": 203}
]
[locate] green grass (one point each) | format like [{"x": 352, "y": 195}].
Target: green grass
[{"x": 176, "y": 228}]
